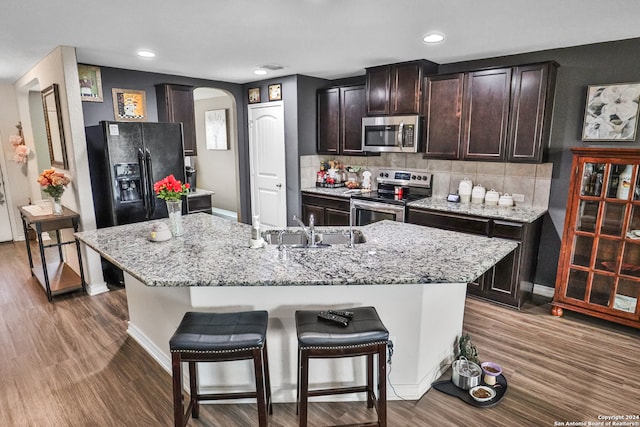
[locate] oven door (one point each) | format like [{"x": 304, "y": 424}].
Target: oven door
[{"x": 365, "y": 212}]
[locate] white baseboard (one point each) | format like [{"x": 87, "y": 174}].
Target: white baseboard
[
  {"x": 544, "y": 291},
  {"x": 223, "y": 213},
  {"x": 96, "y": 289}
]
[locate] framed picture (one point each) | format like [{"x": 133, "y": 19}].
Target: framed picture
[
  {"x": 215, "y": 122},
  {"x": 611, "y": 113},
  {"x": 275, "y": 92},
  {"x": 254, "y": 95},
  {"x": 90, "y": 83},
  {"x": 129, "y": 105}
]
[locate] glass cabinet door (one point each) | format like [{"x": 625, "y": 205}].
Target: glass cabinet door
[{"x": 604, "y": 265}]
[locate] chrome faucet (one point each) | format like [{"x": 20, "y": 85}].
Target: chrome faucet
[{"x": 309, "y": 231}]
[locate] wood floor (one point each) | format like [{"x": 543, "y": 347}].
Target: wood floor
[{"x": 71, "y": 363}]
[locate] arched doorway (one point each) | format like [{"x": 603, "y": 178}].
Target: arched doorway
[{"x": 217, "y": 164}]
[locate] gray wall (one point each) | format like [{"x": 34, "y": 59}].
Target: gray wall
[
  {"x": 94, "y": 112},
  {"x": 614, "y": 62},
  {"x": 299, "y": 98}
]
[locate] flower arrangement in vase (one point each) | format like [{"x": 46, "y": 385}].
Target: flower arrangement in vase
[
  {"x": 54, "y": 184},
  {"x": 171, "y": 190}
]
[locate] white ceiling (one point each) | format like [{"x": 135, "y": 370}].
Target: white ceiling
[{"x": 227, "y": 39}]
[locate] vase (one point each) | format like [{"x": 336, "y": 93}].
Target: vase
[
  {"x": 57, "y": 206},
  {"x": 174, "y": 207}
]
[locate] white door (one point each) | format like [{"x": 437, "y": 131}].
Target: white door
[
  {"x": 5, "y": 222},
  {"x": 267, "y": 163}
]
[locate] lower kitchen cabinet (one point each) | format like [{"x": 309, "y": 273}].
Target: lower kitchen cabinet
[
  {"x": 509, "y": 282},
  {"x": 326, "y": 210}
]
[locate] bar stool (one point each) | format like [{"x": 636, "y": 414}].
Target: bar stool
[
  {"x": 365, "y": 335},
  {"x": 219, "y": 337}
]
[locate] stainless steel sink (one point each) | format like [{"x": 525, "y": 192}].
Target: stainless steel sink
[
  {"x": 341, "y": 237},
  {"x": 298, "y": 239}
]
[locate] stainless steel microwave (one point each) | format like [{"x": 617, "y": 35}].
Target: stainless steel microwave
[{"x": 391, "y": 134}]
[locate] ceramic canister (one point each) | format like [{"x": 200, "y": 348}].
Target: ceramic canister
[
  {"x": 477, "y": 194},
  {"x": 491, "y": 197},
  {"x": 464, "y": 190}
]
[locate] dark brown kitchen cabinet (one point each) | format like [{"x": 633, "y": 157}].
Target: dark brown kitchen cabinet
[
  {"x": 443, "y": 115},
  {"x": 486, "y": 114},
  {"x": 396, "y": 88},
  {"x": 340, "y": 112},
  {"x": 510, "y": 281},
  {"x": 175, "y": 105},
  {"x": 532, "y": 90},
  {"x": 599, "y": 265},
  {"x": 496, "y": 114},
  {"x": 327, "y": 210}
]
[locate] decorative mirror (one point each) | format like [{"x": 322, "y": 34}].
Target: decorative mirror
[{"x": 55, "y": 131}]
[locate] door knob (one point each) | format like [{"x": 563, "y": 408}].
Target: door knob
[{"x": 278, "y": 185}]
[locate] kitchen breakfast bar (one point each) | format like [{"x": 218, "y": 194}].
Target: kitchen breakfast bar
[{"x": 415, "y": 276}]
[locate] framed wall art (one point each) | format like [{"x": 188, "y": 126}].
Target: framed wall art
[
  {"x": 90, "y": 83},
  {"x": 611, "y": 113},
  {"x": 129, "y": 105},
  {"x": 275, "y": 92},
  {"x": 215, "y": 122},
  {"x": 254, "y": 95}
]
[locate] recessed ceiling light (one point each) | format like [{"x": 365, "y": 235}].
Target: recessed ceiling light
[
  {"x": 145, "y": 53},
  {"x": 433, "y": 38},
  {"x": 260, "y": 72}
]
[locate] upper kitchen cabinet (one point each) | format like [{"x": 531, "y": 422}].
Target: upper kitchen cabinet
[
  {"x": 532, "y": 88},
  {"x": 175, "y": 105},
  {"x": 486, "y": 113},
  {"x": 340, "y": 112},
  {"x": 443, "y": 115},
  {"x": 396, "y": 88},
  {"x": 496, "y": 114}
]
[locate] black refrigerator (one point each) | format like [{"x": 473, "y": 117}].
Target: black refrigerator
[{"x": 125, "y": 160}]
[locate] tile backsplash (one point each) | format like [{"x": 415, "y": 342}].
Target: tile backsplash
[{"x": 531, "y": 180}]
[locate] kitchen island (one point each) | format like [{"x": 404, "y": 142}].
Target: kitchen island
[{"x": 415, "y": 276}]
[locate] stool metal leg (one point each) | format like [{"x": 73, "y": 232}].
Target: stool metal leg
[
  {"x": 260, "y": 393},
  {"x": 193, "y": 389}
]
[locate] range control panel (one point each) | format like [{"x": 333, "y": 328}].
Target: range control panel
[{"x": 410, "y": 178}]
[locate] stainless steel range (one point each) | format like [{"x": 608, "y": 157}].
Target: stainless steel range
[{"x": 395, "y": 189}]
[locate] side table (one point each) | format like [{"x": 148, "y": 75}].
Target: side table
[{"x": 55, "y": 277}]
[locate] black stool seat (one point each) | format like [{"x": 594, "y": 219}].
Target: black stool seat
[
  {"x": 365, "y": 335},
  {"x": 220, "y": 337},
  {"x": 212, "y": 332},
  {"x": 364, "y": 328}
]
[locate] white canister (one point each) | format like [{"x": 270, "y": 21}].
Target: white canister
[
  {"x": 505, "y": 200},
  {"x": 464, "y": 190},
  {"x": 491, "y": 198},
  {"x": 624, "y": 183},
  {"x": 477, "y": 194}
]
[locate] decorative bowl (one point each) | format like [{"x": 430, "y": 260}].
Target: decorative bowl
[{"x": 491, "y": 369}]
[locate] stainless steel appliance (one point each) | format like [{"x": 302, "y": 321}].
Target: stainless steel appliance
[
  {"x": 395, "y": 189},
  {"x": 398, "y": 134}
]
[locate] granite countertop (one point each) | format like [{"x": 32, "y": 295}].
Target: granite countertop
[
  {"x": 514, "y": 213},
  {"x": 335, "y": 192},
  {"x": 214, "y": 252},
  {"x": 200, "y": 192}
]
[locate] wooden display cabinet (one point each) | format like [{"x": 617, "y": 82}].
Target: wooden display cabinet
[{"x": 599, "y": 266}]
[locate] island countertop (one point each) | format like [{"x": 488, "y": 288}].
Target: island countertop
[{"x": 214, "y": 252}]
